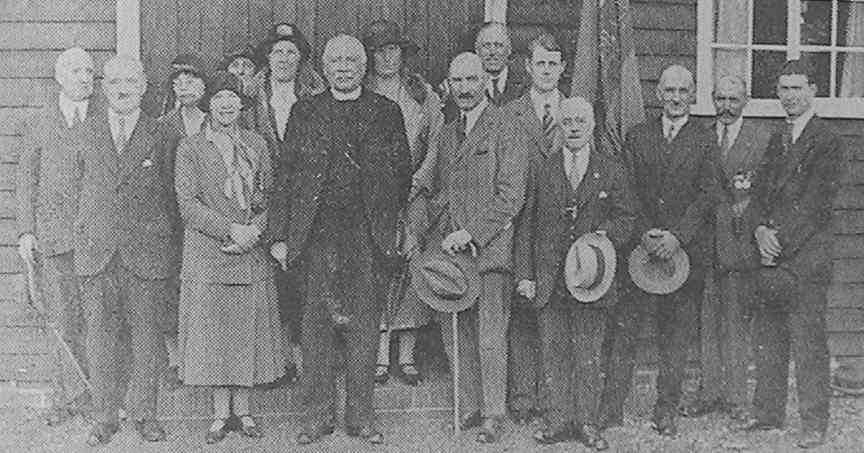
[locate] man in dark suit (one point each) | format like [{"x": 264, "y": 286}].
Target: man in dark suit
[
  {"x": 725, "y": 317},
  {"x": 535, "y": 114},
  {"x": 46, "y": 210},
  {"x": 340, "y": 207},
  {"x": 672, "y": 163},
  {"x": 123, "y": 253},
  {"x": 480, "y": 176},
  {"x": 574, "y": 188},
  {"x": 795, "y": 189},
  {"x": 493, "y": 46}
]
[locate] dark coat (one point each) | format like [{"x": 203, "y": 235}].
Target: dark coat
[
  {"x": 126, "y": 201},
  {"x": 46, "y": 189},
  {"x": 795, "y": 190},
  {"x": 381, "y": 152},
  {"x": 677, "y": 184}
]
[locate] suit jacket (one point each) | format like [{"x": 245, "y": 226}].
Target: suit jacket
[
  {"x": 380, "y": 150},
  {"x": 677, "y": 184},
  {"x": 208, "y": 214},
  {"x": 46, "y": 188},
  {"x": 126, "y": 200},
  {"x": 795, "y": 190},
  {"x": 514, "y": 88},
  {"x": 733, "y": 251},
  {"x": 480, "y": 187}
]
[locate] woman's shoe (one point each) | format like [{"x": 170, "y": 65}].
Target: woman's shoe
[
  {"x": 217, "y": 431},
  {"x": 382, "y": 373},
  {"x": 409, "y": 374},
  {"x": 248, "y": 427}
]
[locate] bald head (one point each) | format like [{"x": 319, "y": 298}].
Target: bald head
[
  {"x": 74, "y": 72},
  {"x": 493, "y": 47},
  {"x": 467, "y": 80},
  {"x": 730, "y": 98},
  {"x": 577, "y": 122},
  {"x": 675, "y": 90},
  {"x": 344, "y": 60}
]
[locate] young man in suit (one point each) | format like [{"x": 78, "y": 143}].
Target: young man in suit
[
  {"x": 535, "y": 113},
  {"x": 480, "y": 176},
  {"x": 672, "y": 165},
  {"x": 795, "y": 189},
  {"x": 725, "y": 317},
  {"x": 123, "y": 253},
  {"x": 574, "y": 188},
  {"x": 46, "y": 210},
  {"x": 351, "y": 178}
]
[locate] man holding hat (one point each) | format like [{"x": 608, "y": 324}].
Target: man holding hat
[
  {"x": 351, "y": 179},
  {"x": 673, "y": 163},
  {"x": 480, "y": 177},
  {"x": 565, "y": 255}
]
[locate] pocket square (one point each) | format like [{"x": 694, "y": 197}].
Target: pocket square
[
  {"x": 602, "y": 195},
  {"x": 146, "y": 163}
]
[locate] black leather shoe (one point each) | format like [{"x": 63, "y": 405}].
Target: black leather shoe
[
  {"x": 101, "y": 433},
  {"x": 548, "y": 436},
  {"x": 490, "y": 431},
  {"x": 755, "y": 425},
  {"x": 665, "y": 426},
  {"x": 592, "y": 438},
  {"x": 150, "y": 430},
  {"x": 810, "y": 439},
  {"x": 313, "y": 434},
  {"x": 468, "y": 421},
  {"x": 372, "y": 435}
]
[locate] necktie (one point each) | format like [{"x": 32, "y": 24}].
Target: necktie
[
  {"x": 670, "y": 134},
  {"x": 575, "y": 173},
  {"x": 547, "y": 117},
  {"x": 120, "y": 140},
  {"x": 461, "y": 128},
  {"x": 724, "y": 140},
  {"x": 495, "y": 91},
  {"x": 787, "y": 136}
]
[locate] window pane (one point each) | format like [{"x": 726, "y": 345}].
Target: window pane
[
  {"x": 850, "y": 75},
  {"x": 766, "y": 65},
  {"x": 821, "y": 62},
  {"x": 730, "y": 21},
  {"x": 816, "y": 22},
  {"x": 769, "y": 21},
  {"x": 850, "y": 23},
  {"x": 730, "y": 62}
]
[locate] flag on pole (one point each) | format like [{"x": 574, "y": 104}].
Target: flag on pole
[{"x": 605, "y": 70}]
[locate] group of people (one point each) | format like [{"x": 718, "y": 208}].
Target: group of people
[{"x": 264, "y": 220}]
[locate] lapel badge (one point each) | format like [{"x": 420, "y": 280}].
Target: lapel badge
[
  {"x": 602, "y": 195},
  {"x": 573, "y": 211},
  {"x": 596, "y": 175},
  {"x": 147, "y": 163}
]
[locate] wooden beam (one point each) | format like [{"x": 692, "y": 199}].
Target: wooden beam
[{"x": 129, "y": 27}]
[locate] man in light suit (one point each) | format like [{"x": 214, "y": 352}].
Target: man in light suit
[
  {"x": 794, "y": 194},
  {"x": 123, "y": 252},
  {"x": 535, "y": 114},
  {"x": 725, "y": 313},
  {"x": 480, "y": 174},
  {"x": 46, "y": 210}
]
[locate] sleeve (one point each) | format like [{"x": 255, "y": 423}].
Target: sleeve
[
  {"x": 196, "y": 214},
  {"x": 278, "y": 209},
  {"x": 631, "y": 161},
  {"x": 170, "y": 141},
  {"x": 620, "y": 221},
  {"x": 526, "y": 227},
  {"x": 709, "y": 191}
]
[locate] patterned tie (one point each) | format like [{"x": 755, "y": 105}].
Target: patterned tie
[
  {"x": 120, "y": 141},
  {"x": 547, "y": 117}
]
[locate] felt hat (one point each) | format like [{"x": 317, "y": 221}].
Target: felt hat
[
  {"x": 446, "y": 283},
  {"x": 243, "y": 51},
  {"x": 221, "y": 81},
  {"x": 187, "y": 63},
  {"x": 381, "y": 33},
  {"x": 655, "y": 275},
  {"x": 284, "y": 31},
  {"x": 589, "y": 268}
]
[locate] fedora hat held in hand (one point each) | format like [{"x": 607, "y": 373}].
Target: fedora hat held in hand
[
  {"x": 655, "y": 275},
  {"x": 589, "y": 268}
]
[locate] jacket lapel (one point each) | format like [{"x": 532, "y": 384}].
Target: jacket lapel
[
  {"x": 139, "y": 145},
  {"x": 798, "y": 151},
  {"x": 679, "y": 149},
  {"x": 590, "y": 181},
  {"x": 108, "y": 152},
  {"x": 478, "y": 133}
]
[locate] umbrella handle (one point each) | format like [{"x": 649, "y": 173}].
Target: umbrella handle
[{"x": 456, "y": 425}]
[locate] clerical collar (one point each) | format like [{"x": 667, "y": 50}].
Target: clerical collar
[{"x": 343, "y": 96}]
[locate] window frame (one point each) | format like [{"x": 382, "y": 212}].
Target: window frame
[{"x": 825, "y": 107}]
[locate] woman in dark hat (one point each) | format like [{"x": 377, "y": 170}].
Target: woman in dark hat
[
  {"x": 242, "y": 63},
  {"x": 286, "y": 77},
  {"x": 230, "y": 335},
  {"x": 388, "y": 76}
]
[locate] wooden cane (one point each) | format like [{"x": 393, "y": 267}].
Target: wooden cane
[{"x": 455, "y": 324}]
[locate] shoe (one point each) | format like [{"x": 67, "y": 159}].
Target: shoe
[
  {"x": 248, "y": 427},
  {"x": 810, "y": 439},
  {"x": 309, "y": 435},
  {"x": 217, "y": 432},
  {"x": 101, "y": 433},
  {"x": 150, "y": 430},
  {"x": 665, "y": 426},
  {"x": 700, "y": 408},
  {"x": 372, "y": 435},
  {"x": 548, "y": 436},
  {"x": 490, "y": 431},
  {"x": 755, "y": 425},
  {"x": 382, "y": 374},
  {"x": 592, "y": 438},
  {"x": 409, "y": 374}
]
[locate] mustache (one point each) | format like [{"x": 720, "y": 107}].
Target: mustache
[{"x": 465, "y": 96}]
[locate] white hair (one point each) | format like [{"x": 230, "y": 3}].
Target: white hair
[
  {"x": 69, "y": 57},
  {"x": 345, "y": 43}
]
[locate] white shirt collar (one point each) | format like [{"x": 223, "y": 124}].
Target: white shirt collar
[
  {"x": 678, "y": 123},
  {"x": 350, "y": 96},
  {"x": 581, "y": 160},
  {"x": 732, "y": 130},
  {"x": 553, "y": 98},
  {"x": 501, "y": 79},
  {"x": 130, "y": 121},
  {"x": 70, "y": 108},
  {"x": 471, "y": 116},
  {"x": 798, "y": 124}
]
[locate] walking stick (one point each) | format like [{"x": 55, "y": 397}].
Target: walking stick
[
  {"x": 35, "y": 301},
  {"x": 455, "y": 325}
]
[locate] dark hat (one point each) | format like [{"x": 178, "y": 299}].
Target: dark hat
[
  {"x": 187, "y": 63},
  {"x": 242, "y": 51},
  {"x": 589, "y": 268},
  {"x": 384, "y": 32},
  {"x": 284, "y": 31},
  {"x": 220, "y": 81},
  {"x": 446, "y": 283},
  {"x": 655, "y": 275}
]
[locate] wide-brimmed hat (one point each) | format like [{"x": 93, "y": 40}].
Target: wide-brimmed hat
[
  {"x": 655, "y": 275},
  {"x": 381, "y": 33},
  {"x": 284, "y": 31},
  {"x": 187, "y": 63},
  {"x": 589, "y": 268},
  {"x": 220, "y": 81},
  {"x": 242, "y": 51},
  {"x": 446, "y": 283}
]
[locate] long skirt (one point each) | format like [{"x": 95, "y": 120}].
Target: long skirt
[{"x": 230, "y": 334}]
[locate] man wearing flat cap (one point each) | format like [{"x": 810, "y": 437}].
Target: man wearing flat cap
[
  {"x": 575, "y": 188},
  {"x": 340, "y": 206},
  {"x": 480, "y": 187}
]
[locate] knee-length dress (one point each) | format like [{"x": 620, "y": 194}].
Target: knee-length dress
[{"x": 229, "y": 329}]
